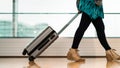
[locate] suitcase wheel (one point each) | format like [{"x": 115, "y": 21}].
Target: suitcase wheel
[
  {"x": 31, "y": 58},
  {"x": 24, "y": 52}
]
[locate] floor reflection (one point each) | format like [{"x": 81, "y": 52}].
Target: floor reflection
[
  {"x": 32, "y": 64},
  {"x": 113, "y": 64},
  {"x": 75, "y": 64},
  {"x": 62, "y": 63}
]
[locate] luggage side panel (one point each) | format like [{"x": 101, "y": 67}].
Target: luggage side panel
[
  {"x": 38, "y": 39},
  {"x": 45, "y": 45}
]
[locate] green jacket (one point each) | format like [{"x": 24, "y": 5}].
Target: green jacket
[{"x": 90, "y": 8}]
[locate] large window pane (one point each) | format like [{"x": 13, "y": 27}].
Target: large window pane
[
  {"x": 111, "y": 6},
  {"x": 112, "y": 25},
  {"x": 47, "y": 6},
  {"x": 6, "y": 6},
  {"x": 6, "y": 25}
]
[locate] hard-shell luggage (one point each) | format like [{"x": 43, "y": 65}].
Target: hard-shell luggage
[{"x": 42, "y": 41}]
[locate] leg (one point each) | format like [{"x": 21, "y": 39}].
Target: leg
[
  {"x": 85, "y": 22},
  {"x": 100, "y": 28},
  {"x": 111, "y": 55},
  {"x": 73, "y": 52}
]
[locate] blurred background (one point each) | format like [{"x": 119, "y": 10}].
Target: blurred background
[{"x": 22, "y": 20}]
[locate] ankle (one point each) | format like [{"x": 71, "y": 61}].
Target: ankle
[{"x": 108, "y": 49}]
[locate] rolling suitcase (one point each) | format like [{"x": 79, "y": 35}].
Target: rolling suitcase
[{"x": 43, "y": 40}]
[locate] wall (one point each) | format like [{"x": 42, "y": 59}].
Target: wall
[{"x": 88, "y": 46}]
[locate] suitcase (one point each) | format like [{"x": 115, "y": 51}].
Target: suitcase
[{"x": 43, "y": 41}]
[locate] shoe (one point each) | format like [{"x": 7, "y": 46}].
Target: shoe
[
  {"x": 111, "y": 55},
  {"x": 73, "y": 55}
]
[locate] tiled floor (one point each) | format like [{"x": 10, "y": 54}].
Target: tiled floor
[{"x": 57, "y": 63}]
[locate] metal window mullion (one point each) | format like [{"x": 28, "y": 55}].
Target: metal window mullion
[{"x": 14, "y": 19}]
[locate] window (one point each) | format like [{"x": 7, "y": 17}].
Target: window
[
  {"x": 27, "y": 18},
  {"x": 6, "y": 18}
]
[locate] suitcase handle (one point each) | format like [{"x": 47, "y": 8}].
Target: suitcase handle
[{"x": 68, "y": 23}]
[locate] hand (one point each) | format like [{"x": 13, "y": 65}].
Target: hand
[{"x": 98, "y": 2}]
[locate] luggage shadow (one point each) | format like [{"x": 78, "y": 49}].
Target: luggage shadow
[{"x": 32, "y": 64}]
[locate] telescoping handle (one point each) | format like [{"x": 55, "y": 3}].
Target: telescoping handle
[{"x": 68, "y": 23}]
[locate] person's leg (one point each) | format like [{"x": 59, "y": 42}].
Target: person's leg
[
  {"x": 100, "y": 28},
  {"x": 111, "y": 55},
  {"x": 73, "y": 52},
  {"x": 84, "y": 23}
]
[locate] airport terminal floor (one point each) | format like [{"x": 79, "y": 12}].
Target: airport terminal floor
[{"x": 57, "y": 63}]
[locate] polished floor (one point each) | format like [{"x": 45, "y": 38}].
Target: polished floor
[{"x": 57, "y": 63}]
